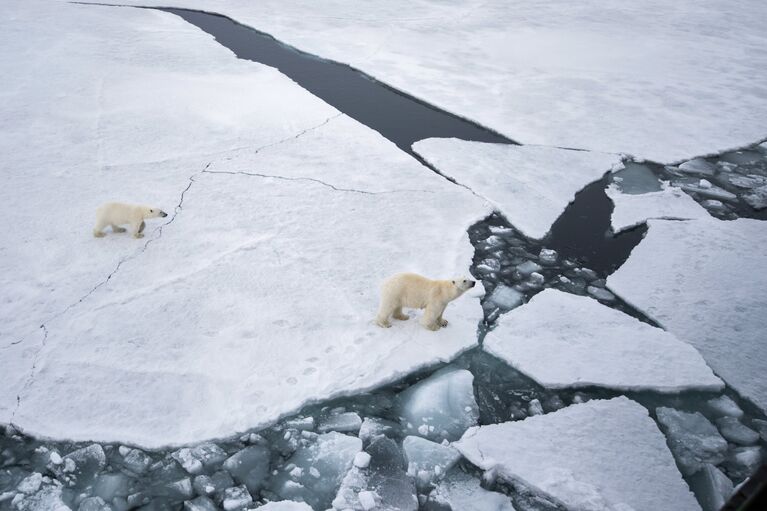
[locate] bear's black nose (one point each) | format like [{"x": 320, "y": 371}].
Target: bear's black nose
[
  {"x": 163, "y": 214},
  {"x": 473, "y": 283}
]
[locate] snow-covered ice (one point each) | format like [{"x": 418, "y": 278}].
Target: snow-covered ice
[
  {"x": 661, "y": 80},
  {"x": 285, "y": 505},
  {"x": 441, "y": 406},
  {"x": 692, "y": 438},
  {"x": 211, "y": 308},
  {"x": 704, "y": 281},
  {"x": 564, "y": 340},
  {"x": 669, "y": 203},
  {"x": 596, "y": 456},
  {"x": 530, "y": 185}
]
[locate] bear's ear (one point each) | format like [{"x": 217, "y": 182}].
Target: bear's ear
[{"x": 453, "y": 282}]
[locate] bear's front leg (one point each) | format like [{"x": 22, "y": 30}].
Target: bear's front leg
[
  {"x": 431, "y": 317},
  {"x": 442, "y": 321},
  {"x": 137, "y": 227}
]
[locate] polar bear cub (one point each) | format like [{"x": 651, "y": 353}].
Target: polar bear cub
[
  {"x": 118, "y": 213},
  {"x": 417, "y": 292}
]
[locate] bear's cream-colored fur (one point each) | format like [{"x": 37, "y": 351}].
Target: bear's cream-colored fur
[
  {"x": 118, "y": 213},
  {"x": 417, "y": 292}
]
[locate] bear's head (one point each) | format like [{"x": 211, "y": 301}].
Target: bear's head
[
  {"x": 463, "y": 284},
  {"x": 152, "y": 212}
]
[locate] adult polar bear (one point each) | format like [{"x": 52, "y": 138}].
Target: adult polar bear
[
  {"x": 414, "y": 291},
  {"x": 118, "y": 213}
]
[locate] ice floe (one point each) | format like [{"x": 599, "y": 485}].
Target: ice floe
[
  {"x": 704, "y": 281},
  {"x": 204, "y": 328},
  {"x": 692, "y": 438},
  {"x": 662, "y": 81},
  {"x": 670, "y": 203},
  {"x": 462, "y": 492},
  {"x": 530, "y": 185},
  {"x": 564, "y": 340},
  {"x": 600, "y": 455}
]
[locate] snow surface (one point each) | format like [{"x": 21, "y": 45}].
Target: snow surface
[
  {"x": 597, "y": 456},
  {"x": 462, "y": 492},
  {"x": 704, "y": 281},
  {"x": 563, "y": 340},
  {"x": 530, "y": 185},
  {"x": 661, "y": 80},
  {"x": 670, "y": 203},
  {"x": 255, "y": 296},
  {"x": 285, "y": 505}
]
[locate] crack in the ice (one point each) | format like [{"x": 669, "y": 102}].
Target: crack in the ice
[{"x": 30, "y": 376}]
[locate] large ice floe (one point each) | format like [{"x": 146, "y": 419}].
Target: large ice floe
[
  {"x": 255, "y": 296},
  {"x": 564, "y": 340},
  {"x": 597, "y": 456},
  {"x": 670, "y": 203},
  {"x": 638, "y": 79},
  {"x": 704, "y": 281},
  {"x": 530, "y": 185}
]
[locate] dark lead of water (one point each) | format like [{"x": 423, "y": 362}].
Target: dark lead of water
[{"x": 399, "y": 117}]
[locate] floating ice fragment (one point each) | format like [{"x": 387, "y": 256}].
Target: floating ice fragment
[
  {"x": 440, "y": 402},
  {"x": 742, "y": 462},
  {"x": 698, "y": 166},
  {"x": 332, "y": 455},
  {"x": 285, "y": 505},
  {"x": 704, "y": 183},
  {"x": 361, "y": 459},
  {"x": 712, "y": 487},
  {"x": 600, "y": 293},
  {"x": 30, "y": 484},
  {"x": 460, "y": 491},
  {"x": 693, "y": 440},
  {"x": 94, "y": 504},
  {"x": 736, "y": 432},
  {"x": 505, "y": 297},
  {"x": 196, "y": 458},
  {"x": 528, "y": 267},
  {"x": 367, "y": 500},
  {"x": 426, "y": 456},
  {"x": 201, "y": 503},
  {"x": 535, "y": 407},
  {"x": 135, "y": 460},
  {"x": 56, "y": 458},
  {"x": 109, "y": 486},
  {"x": 250, "y": 466},
  {"x": 757, "y": 198},
  {"x": 547, "y": 256},
  {"x": 761, "y": 425},
  {"x": 372, "y": 427},
  {"x": 300, "y": 423},
  {"x": 347, "y": 422},
  {"x": 711, "y": 191},
  {"x": 236, "y": 498},
  {"x": 213, "y": 484}
]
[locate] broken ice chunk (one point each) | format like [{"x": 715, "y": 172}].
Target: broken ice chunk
[
  {"x": 135, "y": 460},
  {"x": 461, "y": 492},
  {"x": 250, "y": 466},
  {"x": 196, "y": 458},
  {"x": 285, "y": 505},
  {"x": 361, "y": 459},
  {"x": 300, "y": 423},
  {"x": 109, "y": 486},
  {"x": 698, "y": 166},
  {"x": 30, "y": 484},
  {"x": 710, "y": 191},
  {"x": 49, "y": 498},
  {"x": 86, "y": 462},
  {"x": 600, "y": 293},
  {"x": 426, "y": 456},
  {"x": 761, "y": 425},
  {"x": 214, "y": 484},
  {"x": 331, "y": 454},
  {"x": 693, "y": 440},
  {"x": 372, "y": 427},
  {"x": 734, "y": 431},
  {"x": 343, "y": 422},
  {"x": 712, "y": 487},
  {"x": 441, "y": 406},
  {"x": 200, "y": 504},
  {"x": 757, "y": 198},
  {"x": 724, "y": 406},
  {"x": 236, "y": 498},
  {"x": 742, "y": 462},
  {"x": 94, "y": 504},
  {"x": 528, "y": 267},
  {"x": 547, "y": 256},
  {"x": 535, "y": 407},
  {"x": 505, "y": 297}
]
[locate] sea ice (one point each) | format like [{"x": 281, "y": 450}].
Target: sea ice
[
  {"x": 49, "y": 498},
  {"x": 347, "y": 422},
  {"x": 603, "y": 454},
  {"x": 736, "y": 432},
  {"x": 201, "y": 503},
  {"x": 698, "y": 166},
  {"x": 635, "y": 178},
  {"x": 285, "y": 505},
  {"x": 692, "y": 438},
  {"x": 531, "y": 186},
  {"x": 555, "y": 73},
  {"x": 383, "y": 484},
  {"x": 249, "y": 466},
  {"x": 427, "y": 460},
  {"x": 712, "y": 487},
  {"x": 461, "y": 492},
  {"x": 505, "y": 297},
  {"x": 236, "y": 498},
  {"x": 710, "y": 289},
  {"x": 742, "y": 462},
  {"x": 331, "y": 454},
  {"x": 211, "y": 309},
  {"x": 757, "y": 197},
  {"x": 669, "y": 203},
  {"x": 440, "y": 407},
  {"x": 372, "y": 427},
  {"x": 564, "y": 340},
  {"x": 724, "y": 406},
  {"x": 600, "y": 293}
]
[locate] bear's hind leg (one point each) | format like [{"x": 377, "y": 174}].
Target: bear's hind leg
[
  {"x": 398, "y": 314},
  {"x": 117, "y": 228},
  {"x": 137, "y": 228},
  {"x": 384, "y": 313}
]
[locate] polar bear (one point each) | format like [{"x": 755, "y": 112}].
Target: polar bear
[
  {"x": 118, "y": 213},
  {"x": 417, "y": 292}
]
